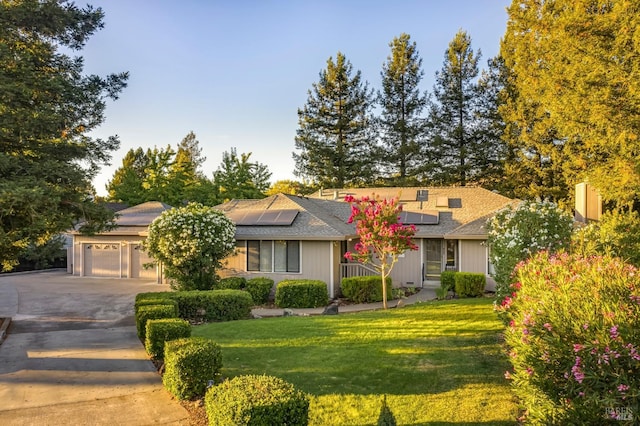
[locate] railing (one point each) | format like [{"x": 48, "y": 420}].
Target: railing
[{"x": 356, "y": 270}]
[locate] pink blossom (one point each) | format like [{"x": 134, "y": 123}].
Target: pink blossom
[
  {"x": 613, "y": 332},
  {"x": 577, "y": 347},
  {"x": 623, "y": 388},
  {"x": 547, "y": 326}
]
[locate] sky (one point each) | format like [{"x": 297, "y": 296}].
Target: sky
[{"x": 235, "y": 72}]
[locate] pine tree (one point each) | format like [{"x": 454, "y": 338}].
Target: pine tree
[
  {"x": 47, "y": 110},
  {"x": 400, "y": 124},
  {"x": 334, "y": 138},
  {"x": 454, "y": 147}
]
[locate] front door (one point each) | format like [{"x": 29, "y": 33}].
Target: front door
[{"x": 433, "y": 259}]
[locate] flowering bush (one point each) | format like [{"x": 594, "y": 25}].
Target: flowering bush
[
  {"x": 191, "y": 242},
  {"x": 574, "y": 339},
  {"x": 382, "y": 236},
  {"x": 616, "y": 234},
  {"x": 514, "y": 234}
]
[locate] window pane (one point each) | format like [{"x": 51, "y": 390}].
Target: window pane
[
  {"x": 280, "y": 256},
  {"x": 265, "y": 256},
  {"x": 293, "y": 256},
  {"x": 253, "y": 255}
]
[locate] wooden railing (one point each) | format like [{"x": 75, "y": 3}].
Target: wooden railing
[{"x": 356, "y": 270}]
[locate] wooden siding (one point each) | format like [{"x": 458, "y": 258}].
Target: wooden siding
[
  {"x": 473, "y": 258},
  {"x": 407, "y": 272}
]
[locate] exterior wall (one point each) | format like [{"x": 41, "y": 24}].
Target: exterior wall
[
  {"x": 474, "y": 258},
  {"x": 316, "y": 258},
  {"x": 407, "y": 272}
]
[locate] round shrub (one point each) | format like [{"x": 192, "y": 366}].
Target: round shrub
[
  {"x": 147, "y": 312},
  {"x": 469, "y": 284},
  {"x": 190, "y": 364},
  {"x": 448, "y": 280},
  {"x": 259, "y": 289},
  {"x": 231, "y": 283},
  {"x": 301, "y": 294},
  {"x": 160, "y": 331},
  {"x": 365, "y": 289},
  {"x": 574, "y": 339},
  {"x": 256, "y": 400}
]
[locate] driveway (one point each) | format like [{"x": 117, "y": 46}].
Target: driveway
[{"x": 72, "y": 355}]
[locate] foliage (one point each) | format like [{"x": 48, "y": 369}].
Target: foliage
[
  {"x": 422, "y": 357},
  {"x": 48, "y": 110},
  {"x": 448, "y": 280},
  {"x": 238, "y": 178},
  {"x": 44, "y": 255},
  {"x": 256, "y": 400},
  {"x": 154, "y": 298},
  {"x": 159, "y": 331},
  {"x": 301, "y": 294},
  {"x": 470, "y": 284},
  {"x": 213, "y": 305},
  {"x": 382, "y": 236},
  {"x": 145, "y": 313},
  {"x": 516, "y": 233},
  {"x": 190, "y": 363},
  {"x": 571, "y": 108},
  {"x": 458, "y": 149},
  {"x": 191, "y": 242},
  {"x": 386, "y": 417},
  {"x": 334, "y": 140},
  {"x": 617, "y": 234},
  {"x": 260, "y": 289},
  {"x": 400, "y": 124},
  {"x": 573, "y": 339},
  {"x": 291, "y": 187},
  {"x": 232, "y": 283},
  {"x": 365, "y": 289}
]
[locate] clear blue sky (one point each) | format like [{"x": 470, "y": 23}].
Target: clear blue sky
[{"x": 235, "y": 72}]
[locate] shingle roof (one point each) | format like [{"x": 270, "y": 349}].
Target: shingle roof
[
  {"x": 136, "y": 220},
  {"x": 323, "y": 215}
]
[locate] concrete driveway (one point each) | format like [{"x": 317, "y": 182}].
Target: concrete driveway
[{"x": 72, "y": 355}]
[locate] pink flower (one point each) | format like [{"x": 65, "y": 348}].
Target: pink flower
[
  {"x": 623, "y": 388},
  {"x": 507, "y": 375},
  {"x": 613, "y": 332},
  {"x": 547, "y": 326},
  {"x": 577, "y": 347}
]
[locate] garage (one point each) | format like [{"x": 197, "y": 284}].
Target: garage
[{"x": 118, "y": 253}]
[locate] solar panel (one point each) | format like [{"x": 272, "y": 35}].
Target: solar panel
[
  {"x": 423, "y": 218},
  {"x": 263, "y": 217}
]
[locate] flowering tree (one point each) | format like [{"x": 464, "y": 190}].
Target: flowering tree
[
  {"x": 191, "y": 242},
  {"x": 517, "y": 233},
  {"x": 382, "y": 236}
]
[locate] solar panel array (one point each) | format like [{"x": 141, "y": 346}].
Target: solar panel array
[
  {"x": 423, "y": 218},
  {"x": 263, "y": 217}
]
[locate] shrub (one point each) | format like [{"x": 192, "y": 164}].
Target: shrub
[
  {"x": 365, "y": 289},
  {"x": 256, "y": 400},
  {"x": 573, "y": 339},
  {"x": 148, "y": 312},
  {"x": 143, "y": 298},
  {"x": 260, "y": 289},
  {"x": 301, "y": 294},
  {"x": 160, "y": 331},
  {"x": 514, "y": 234},
  {"x": 213, "y": 305},
  {"x": 232, "y": 283},
  {"x": 190, "y": 364},
  {"x": 469, "y": 284},
  {"x": 161, "y": 301},
  {"x": 191, "y": 242},
  {"x": 448, "y": 280}
]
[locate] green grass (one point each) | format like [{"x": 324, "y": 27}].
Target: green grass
[{"x": 438, "y": 362}]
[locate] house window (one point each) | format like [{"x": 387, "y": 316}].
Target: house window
[
  {"x": 452, "y": 255},
  {"x": 273, "y": 256}
]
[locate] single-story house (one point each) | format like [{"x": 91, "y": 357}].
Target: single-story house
[
  {"x": 291, "y": 237},
  {"x": 118, "y": 253}
]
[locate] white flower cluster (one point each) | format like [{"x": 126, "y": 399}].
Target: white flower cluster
[{"x": 191, "y": 233}]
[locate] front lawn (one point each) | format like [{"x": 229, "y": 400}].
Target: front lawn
[{"x": 438, "y": 362}]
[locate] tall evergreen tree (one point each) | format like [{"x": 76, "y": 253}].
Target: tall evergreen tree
[
  {"x": 334, "y": 138},
  {"x": 47, "y": 110},
  {"x": 401, "y": 125},
  {"x": 574, "y": 73},
  {"x": 239, "y": 178},
  {"x": 126, "y": 186},
  {"x": 454, "y": 147}
]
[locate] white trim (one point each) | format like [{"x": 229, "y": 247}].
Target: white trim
[{"x": 331, "y": 268}]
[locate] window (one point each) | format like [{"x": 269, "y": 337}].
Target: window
[{"x": 273, "y": 256}]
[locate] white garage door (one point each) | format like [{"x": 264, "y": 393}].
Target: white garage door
[
  {"x": 138, "y": 259},
  {"x": 102, "y": 259}
]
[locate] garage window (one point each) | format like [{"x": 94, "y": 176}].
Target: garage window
[{"x": 273, "y": 256}]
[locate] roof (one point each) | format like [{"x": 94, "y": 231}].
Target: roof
[
  {"x": 453, "y": 212},
  {"x": 136, "y": 220}
]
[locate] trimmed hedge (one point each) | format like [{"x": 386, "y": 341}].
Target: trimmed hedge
[
  {"x": 160, "y": 331},
  {"x": 231, "y": 283},
  {"x": 365, "y": 289},
  {"x": 260, "y": 289},
  {"x": 146, "y": 298},
  {"x": 148, "y": 312},
  {"x": 256, "y": 400},
  {"x": 448, "y": 280},
  {"x": 213, "y": 305},
  {"x": 470, "y": 284},
  {"x": 190, "y": 364},
  {"x": 301, "y": 294}
]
